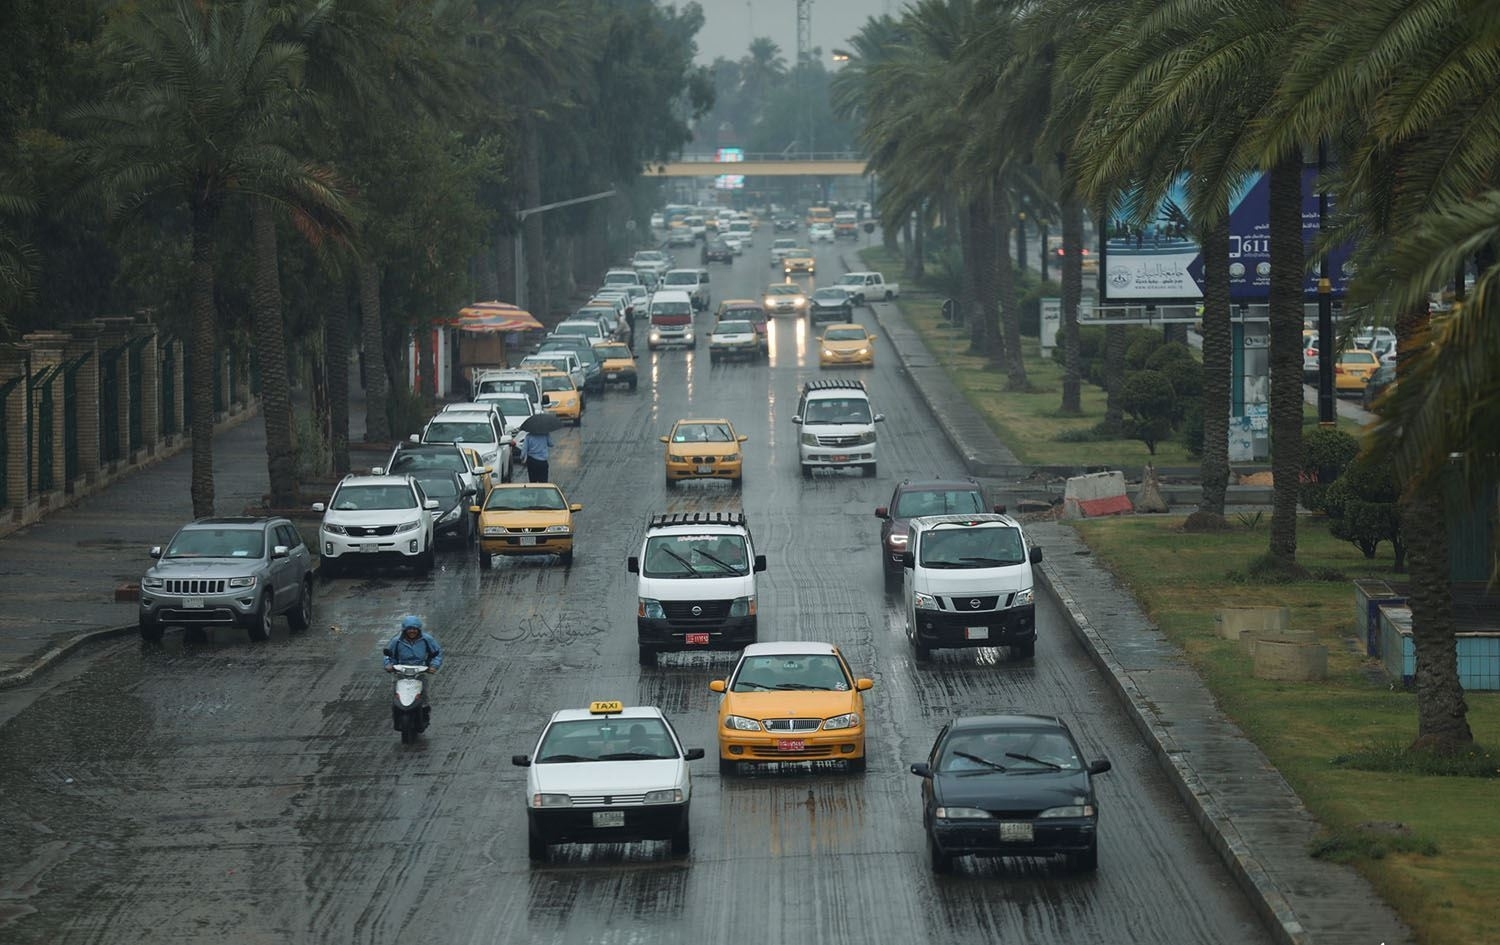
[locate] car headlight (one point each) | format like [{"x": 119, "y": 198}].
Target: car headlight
[
  {"x": 923, "y": 601},
  {"x": 770, "y": 302},
  {"x": 897, "y": 540},
  {"x": 809, "y": 439},
  {"x": 1022, "y": 598},
  {"x": 1071, "y": 810},
  {"x": 866, "y": 438},
  {"x": 742, "y": 606},
  {"x": 847, "y": 720},
  {"x": 656, "y": 336},
  {"x": 408, "y": 526},
  {"x": 962, "y": 813},
  {"x": 741, "y": 724},
  {"x": 242, "y": 582},
  {"x": 557, "y": 529},
  {"x": 674, "y": 796},
  {"x": 494, "y": 529},
  {"x": 150, "y": 583},
  {"x": 650, "y": 609},
  {"x": 730, "y": 458},
  {"x": 333, "y": 529},
  {"x": 551, "y": 800},
  {"x": 676, "y": 458},
  {"x": 799, "y": 302},
  {"x": 863, "y": 351},
  {"x": 451, "y": 514}
]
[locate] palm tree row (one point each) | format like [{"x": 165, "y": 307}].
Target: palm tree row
[
  {"x": 271, "y": 167},
  {"x": 961, "y": 101}
]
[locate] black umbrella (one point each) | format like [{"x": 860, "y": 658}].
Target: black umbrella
[{"x": 544, "y": 422}]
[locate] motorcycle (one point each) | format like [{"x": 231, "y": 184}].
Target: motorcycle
[{"x": 410, "y": 711}]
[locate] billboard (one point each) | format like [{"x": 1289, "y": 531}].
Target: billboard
[
  {"x": 729, "y": 155},
  {"x": 1162, "y": 261},
  {"x": 730, "y": 182}
]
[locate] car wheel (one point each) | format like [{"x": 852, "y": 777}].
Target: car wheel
[
  {"x": 682, "y": 843},
  {"x": 150, "y": 630},
  {"x": 857, "y": 765},
  {"x": 738, "y": 482},
  {"x": 806, "y": 471},
  {"x": 328, "y": 568},
  {"x": 632, "y": 385},
  {"x": 536, "y": 848},
  {"x": 727, "y": 768},
  {"x": 870, "y": 471},
  {"x": 566, "y": 557},
  {"x": 486, "y": 560},
  {"x": 647, "y": 655},
  {"x": 427, "y": 560},
  {"x": 1023, "y": 651},
  {"x": 941, "y": 862},
  {"x": 922, "y": 651},
  {"x": 670, "y": 483},
  {"x": 261, "y": 629},
  {"x": 300, "y": 617},
  {"x": 1086, "y": 861}
]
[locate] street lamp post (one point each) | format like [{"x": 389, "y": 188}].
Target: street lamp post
[
  {"x": 1326, "y": 410},
  {"x": 1042, "y": 252},
  {"x": 520, "y": 241},
  {"x": 1021, "y": 241}
]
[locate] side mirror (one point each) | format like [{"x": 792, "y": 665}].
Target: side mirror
[
  {"x": 922, "y": 769},
  {"x": 797, "y": 420},
  {"x": 743, "y": 437},
  {"x": 316, "y": 507},
  {"x": 880, "y": 418},
  {"x": 882, "y": 511},
  {"x": 521, "y": 761},
  {"x": 663, "y": 439},
  {"x": 429, "y": 504},
  {"x": 864, "y": 685},
  {"x": 280, "y": 551},
  {"x": 546, "y": 400},
  {"x": 760, "y": 563},
  {"x": 470, "y": 493},
  {"x": 908, "y": 560},
  {"x": 414, "y": 438},
  {"x": 475, "y": 509},
  {"x": 513, "y": 431},
  {"x": 1099, "y": 767},
  {"x": 693, "y": 754},
  {"x": 819, "y": 339},
  {"x": 717, "y": 685},
  {"x": 483, "y": 470},
  {"x": 155, "y": 551},
  {"x": 1036, "y": 555},
  {"x": 575, "y": 507},
  {"x": 377, "y": 470},
  {"x": 633, "y": 564}
]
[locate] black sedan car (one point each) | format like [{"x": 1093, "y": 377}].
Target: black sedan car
[
  {"x": 453, "y": 518},
  {"x": 1009, "y": 785},
  {"x": 917, "y": 497},
  {"x": 717, "y": 251},
  {"x": 787, "y": 225},
  {"x": 830, "y": 305}
]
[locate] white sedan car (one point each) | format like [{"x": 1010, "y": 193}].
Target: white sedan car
[{"x": 820, "y": 233}]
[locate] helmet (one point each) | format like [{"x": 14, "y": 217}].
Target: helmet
[{"x": 410, "y": 621}]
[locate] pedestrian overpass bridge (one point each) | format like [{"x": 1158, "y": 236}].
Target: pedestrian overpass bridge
[{"x": 819, "y": 164}]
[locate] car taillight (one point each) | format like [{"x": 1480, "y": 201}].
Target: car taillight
[{"x": 1338, "y": 369}]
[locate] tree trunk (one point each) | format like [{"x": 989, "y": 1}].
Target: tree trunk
[
  {"x": 270, "y": 348},
  {"x": 204, "y": 350},
  {"x": 537, "y": 301},
  {"x": 505, "y": 267},
  {"x": 336, "y": 367},
  {"x": 908, "y": 257},
  {"x": 1005, "y": 289},
  {"x": 1217, "y": 368},
  {"x": 1286, "y": 353},
  {"x": 973, "y": 308},
  {"x": 986, "y": 315},
  {"x": 1072, "y": 297},
  {"x": 919, "y": 247},
  {"x": 377, "y": 378},
  {"x": 426, "y": 364},
  {"x": 1115, "y": 342}
]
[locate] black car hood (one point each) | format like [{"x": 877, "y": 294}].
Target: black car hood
[{"x": 1013, "y": 791}]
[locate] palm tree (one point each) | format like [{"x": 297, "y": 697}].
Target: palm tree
[
  {"x": 195, "y": 117},
  {"x": 18, "y": 258}
]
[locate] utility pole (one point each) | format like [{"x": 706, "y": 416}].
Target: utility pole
[
  {"x": 1327, "y": 412},
  {"x": 804, "y": 67},
  {"x": 520, "y": 241}
]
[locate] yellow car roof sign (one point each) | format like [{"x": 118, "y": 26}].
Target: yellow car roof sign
[{"x": 612, "y": 707}]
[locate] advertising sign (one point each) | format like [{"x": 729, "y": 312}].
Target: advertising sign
[
  {"x": 729, "y": 155},
  {"x": 730, "y": 182},
  {"x": 1051, "y": 315},
  {"x": 1162, "y": 261}
]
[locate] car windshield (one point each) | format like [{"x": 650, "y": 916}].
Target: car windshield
[
  {"x": 649, "y": 255},
  {"x": 671, "y": 308},
  {"x": 703, "y": 432},
  {"x": 557, "y": 382},
  {"x": 551, "y": 364},
  {"x": 784, "y": 244},
  {"x": 1015, "y": 751},
  {"x": 217, "y": 543},
  {"x": 587, "y": 329},
  {"x": 801, "y": 251},
  {"x": 439, "y": 488},
  {"x": 682, "y": 278},
  {"x": 510, "y": 405},
  {"x": 784, "y": 288},
  {"x": 606, "y": 738},
  {"x": 620, "y": 278},
  {"x": 1356, "y": 357},
  {"x": 526, "y": 499},
  {"x": 373, "y": 498},
  {"x": 838, "y": 410},
  {"x": 936, "y": 502},
  {"x": 676, "y": 556},
  {"x": 429, "y": 459},
  {"x": 733, "y": 328},
  {"x": 508, "y": 386},
  {"x": 459, "y": 431},
  {"x": 845, "y": 334},
  {"x": 612, "y": 351},
  {"x": 791, "y": 671},
  {"x": 970, "y": 547}
]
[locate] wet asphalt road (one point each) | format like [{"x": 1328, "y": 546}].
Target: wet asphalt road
[{"x": 229, "y": 792}]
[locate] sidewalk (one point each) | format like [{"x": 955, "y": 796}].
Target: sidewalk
[{"x": 1251, "y": 817}]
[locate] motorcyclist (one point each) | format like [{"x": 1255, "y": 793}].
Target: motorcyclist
[{"x": 413, "y": 646}]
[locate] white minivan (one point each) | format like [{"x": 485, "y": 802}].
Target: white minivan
[
  {"x": 671, "y": 320},
  {"x": 968, "y": 583},
  {"x": 837, "y": 427}
]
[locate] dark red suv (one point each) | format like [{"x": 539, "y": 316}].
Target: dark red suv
[{"x": 917, "y": 497}]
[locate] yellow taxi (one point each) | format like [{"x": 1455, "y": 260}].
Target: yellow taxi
[
  {"x": 846, "y": 344},
  {"x": 704, "y": 449},
  {"x": 799, "y": 260},
  {"x": 617, "y": 363},
  {"x": 561, "y": 397},
  {"x": 526, "y": 518},
  {"x": 785, "y": 298},
  {"x": 1353, "y": 368},
  {"x": 485, "y": 480},
  {"x": 791, "y": 701}
]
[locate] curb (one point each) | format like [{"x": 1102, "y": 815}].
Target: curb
[
  {"x": 58, "y": 651},
  {"x": 1265, "y": 896}
]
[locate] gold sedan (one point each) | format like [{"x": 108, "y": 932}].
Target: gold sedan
[{"x": 846, "y": 344}]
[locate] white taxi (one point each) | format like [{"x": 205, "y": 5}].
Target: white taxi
[{"x": 607, "y": 774}]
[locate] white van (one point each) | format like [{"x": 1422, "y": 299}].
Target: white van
[
  {"x": 507, "y": 381},
  {"x": 968, "y": 583},
  {"x": 671, "y": 317},
  {"x": 696, "y": 589},
  {"x": 838, "y": 427}
]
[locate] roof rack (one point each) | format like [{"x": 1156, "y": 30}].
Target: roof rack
[
  {"x": 669, "y": 519},
  {"x": 835, "y": 384}
]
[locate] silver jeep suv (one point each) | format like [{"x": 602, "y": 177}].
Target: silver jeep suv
[{"x": 228, "y": 572}]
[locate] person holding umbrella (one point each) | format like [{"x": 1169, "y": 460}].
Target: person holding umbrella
[{"x": 538, "y": 447}]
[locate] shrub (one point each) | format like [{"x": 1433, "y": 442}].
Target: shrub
[
  {"x": 1142, "y": 345},
  {"x": 1186, "y": 376},
  {"x": 1326, "y": 454},
  {"x": 1148, "y": 398},
  {"x": 407, "y": 412},
  {"x": 1168, "y": 353},
  {"x": 1191, "y": 427},
  {"x": 1362, "y": 510}
]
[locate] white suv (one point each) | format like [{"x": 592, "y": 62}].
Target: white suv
[
  {"x": 692, "y": 281},
  {"x": 837, "y": 427},
  {"x": 376, "y": 519},
  {"x": 481, "y": 428},
  {"x": 969, "y": 583}
]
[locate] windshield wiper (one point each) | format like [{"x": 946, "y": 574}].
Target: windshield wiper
[
  {"x": 1054, "y": 767},
  {"x": 755, "y": 685},
  {"x": 685, "y": 562},
  {"x": 563, "y": 758},
  {"x": 798, "y": 685},
  {"x": 632, "y": 756},
  {"x": 984, "y": 560},
  {"x": 723, "y": 564},
  {"x": 984, "y": 761}
]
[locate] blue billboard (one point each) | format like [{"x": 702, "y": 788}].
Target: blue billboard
[{"x": 1162, "y": 261}]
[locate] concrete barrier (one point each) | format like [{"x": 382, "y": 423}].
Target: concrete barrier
[
  {"x": 1290, "y": 662},
  {"x": 1095, "y": 494},
  {"x": 1234, "y": 621}
]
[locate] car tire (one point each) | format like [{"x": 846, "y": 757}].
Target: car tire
[
  {"x": 260, "y": 630},
  {"x": 670, "y": 483},
  {"x": 738, "y": 482},
  {"x": 151, "y": 631},
  {"x": 682, "y": 842},
  {"x": 870, "y": 471},
  {"x": 920, "y": 650},
  {"x": 299, "y": 618},
  {"x": 806, "y": 471},
  {"x": 942, "y": 863},
  {"x": 1086, "y": 861},
  {"x": 632, "y": 385},
  {"x": 1023, "y": 651},
  {"x": 566, "y": 557},
  {"x": 858, "y": 765},
  {"x": 427, "y": 560},
  {"x": 646, "y": 655},
  {"x": 728, "y": 768},
  {"x": 486, "y": 560},
  {"x": 536, "y": 848},
  {"x": 888, "y": 296}
]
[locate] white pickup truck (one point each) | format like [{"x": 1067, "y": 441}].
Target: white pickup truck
[{"x": 865, "y": 287}]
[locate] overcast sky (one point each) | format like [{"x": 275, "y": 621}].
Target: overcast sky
[{"x": 731, "y": 24}]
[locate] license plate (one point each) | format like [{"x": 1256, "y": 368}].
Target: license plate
[
  {"x": 794, "y": 744},
  {"x": 1015, "y": 832},
  {"x": 979, "y": 633},
  {"x": 705, "y": 470},
  {"x": 193, "y": 603},
  {"x": 613, "y": 376},
  {"x": 528, "y": 539},
  {"x": 697, "y": 639},
  {"x": 616, "y": 818},
  {"x": 840, "y": 458},
  {"x": 369, "y": 549}
]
